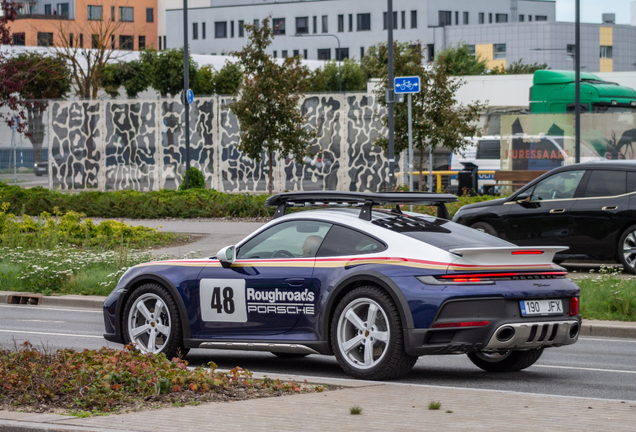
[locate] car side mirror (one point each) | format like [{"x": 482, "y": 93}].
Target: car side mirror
[
  {"x": 523, "y": 198},
  {"x": 226, "y": 256}
]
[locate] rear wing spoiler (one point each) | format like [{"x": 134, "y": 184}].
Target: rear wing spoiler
[
  {"x": 363, "y": 200},
  {"x": 509, "y": 255}
]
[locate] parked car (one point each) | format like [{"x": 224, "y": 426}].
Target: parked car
[
  {"x": 589, "y": 207},
  {"x": 41, "y": 168},
  {"x": 375, "y": 287}
]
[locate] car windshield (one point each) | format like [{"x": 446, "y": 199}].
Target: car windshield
[{"x": 439, "y": 232}]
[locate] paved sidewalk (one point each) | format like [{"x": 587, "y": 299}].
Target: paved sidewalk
[{"x": 386, "y": 407}]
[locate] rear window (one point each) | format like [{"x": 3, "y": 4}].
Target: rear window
[
  {"x": 605, "y": 183},
  {"x": 489, "y": 149},
  {"x": 344, "y": 241},
  {"x": 631, "y": 181},
  {"x": 440, "y": 233}
]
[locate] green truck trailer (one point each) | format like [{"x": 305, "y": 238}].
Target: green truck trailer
[{"x": 552, "y": 92}]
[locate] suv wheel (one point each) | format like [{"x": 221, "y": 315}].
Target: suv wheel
[
  {"x": 508, "y": 361},
  {"x": 627, "y": 249},
  {"x": 485, "y": 228}
]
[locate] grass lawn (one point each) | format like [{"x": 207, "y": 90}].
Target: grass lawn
[{"x": 608, "y": 297}]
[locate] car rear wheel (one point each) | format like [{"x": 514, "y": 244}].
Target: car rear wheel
[
  {"x": 367, "y": 336},
  {"x": 627, "y": 249},
  {"x": 485, "y": 228},
  {"x": 508, "y": 361},
  {"x": 152, "y": 323}
]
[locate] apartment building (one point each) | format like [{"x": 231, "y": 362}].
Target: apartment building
[{"x": 78, "y": 22}]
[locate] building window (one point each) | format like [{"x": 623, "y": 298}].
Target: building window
[
  {"x": 256, "y": 24},
  {"x": 502, "y": 18},
  {"x": 231, "y": 29},
  {"x": 81, "y": 40},
  {"x": 274, "y": 54},
  {"x": 94, "y": 41},
  {"x": 62, "y": 9},
  {"x": 342, "y": 53},
  {"x": 606, "y": 52},
  {"x": 296, "y": 53},
  {"x": 364, "y": 22},
  {"x": 126, "y": 14},
  {"x": 203, "y": 30},
  {"x": 570, "y": 51},
  {"x": 499, "y": 51},
  {"x": 465, "y": 18},
  {"x": 489, "y": 18},
  {"x": 195, "y": 31},
  {"x": 445, "y": 18},
  {"x": 112, "y": 13},
  {"x": 150, "y": 15},
  {"x": 165, "y": 44},
  {"x": 471, "y": 49},
  {"x": 126, "y": 43},
  {"x": 522, "y": 18},
  {"x": 403, "y": 19},
  {"x": 540, "y": 18},
  {"x": 315, "y": 19},
  {"x": 19, "y": 39},
  {"x": 94, "y": 13},
  {"x": 302, "y": 25},
  {"x": 241, "y": 29},
  {"x": 340, "y": 23},
  {"x": 45, "y": 39},
  {"x": 220, "y": 30},
  {"x": 325, "y": 22},
  {"x": 430, "y": 49},
  {"x": 279, "y": 26},
  {"x": 350, "y": 22},
  {"x": 112, "y": 41},
  {"x": 304, "y": 54},
  {"x": 70, "y": 40},
  {"x": 47, "y": 9},
  {"x": 142, "y": 43},
  {"x": 324, "y": 54},
  {"x": 361, "y": 53},
  {"x": 283, "y": 53},
  {"x": 529, "y": 17},
  {"x": 481, "y": 17},
  {"x": 386, "y": 20},
  {"x": 413, "y": 19},
  {"x": 456, "y": 18}
]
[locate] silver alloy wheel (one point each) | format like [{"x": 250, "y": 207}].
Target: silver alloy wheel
[
  {"x": 493, "y": 357},
  {"x": 363, "y": 333},
  {"x": 629, "y": 249},
  {"x": 149, "y": 324}
]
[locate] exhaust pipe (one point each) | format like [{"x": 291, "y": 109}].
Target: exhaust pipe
[
  {"x": 574, "y": 330},
  {"x": 505, "y": 334}
]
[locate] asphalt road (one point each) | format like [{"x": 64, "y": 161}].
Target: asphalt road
[{"x": 594, "y": 367}]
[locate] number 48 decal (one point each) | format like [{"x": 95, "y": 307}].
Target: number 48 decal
[
  {"x": 223, "y": 300},
  {"x": 227, "y": 305}
]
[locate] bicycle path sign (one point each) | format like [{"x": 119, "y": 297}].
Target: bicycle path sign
[{"x": 405, "y": 85}]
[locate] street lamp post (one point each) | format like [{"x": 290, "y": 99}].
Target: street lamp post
[
  {"x": 390, "y": 86},
  {"x": 338, "y": 55},
  {"x": 577, "y": 82},
  {"x": 186, "y": 84}
]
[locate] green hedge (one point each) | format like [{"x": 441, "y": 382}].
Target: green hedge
[{"x": 132, "y": 204}]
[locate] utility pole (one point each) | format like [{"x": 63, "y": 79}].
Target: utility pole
[
  {"x": 391, "y": 101},
  {"x": 186, "y": 85},
  {"x": 577, "y": 82}
]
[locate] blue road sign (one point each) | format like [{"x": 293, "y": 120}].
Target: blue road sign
[
  {"x": 190, "y": 96},
  {"x": 407, "y": 85}
]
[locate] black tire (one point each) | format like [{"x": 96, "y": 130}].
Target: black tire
[
  {"x": 511, "y": 361},
  {"x": 289, "y": 355},
  {"x": 173, "y": 347},
  {"x": 627, "y": 245},
  {"x": 485, "y": 228},
  {"x": 393, "y": 362}
]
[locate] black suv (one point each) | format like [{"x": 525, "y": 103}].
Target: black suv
[{"x": 590, "y": 207}]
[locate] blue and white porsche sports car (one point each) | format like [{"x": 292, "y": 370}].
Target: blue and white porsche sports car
[{"x": 375, "y": 287}]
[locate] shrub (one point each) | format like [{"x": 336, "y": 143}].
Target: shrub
[{"x": 196, "y": 179}]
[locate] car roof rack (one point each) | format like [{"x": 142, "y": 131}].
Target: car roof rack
[{"x": 365, "y": 200}]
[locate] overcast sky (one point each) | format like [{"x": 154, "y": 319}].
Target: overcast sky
[{"x": 592, "y": 10}]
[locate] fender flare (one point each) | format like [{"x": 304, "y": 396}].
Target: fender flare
[
  {"x": 163, "y": 281},
  {"x": 373, "y": 277}
]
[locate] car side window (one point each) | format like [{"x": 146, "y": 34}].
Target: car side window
[
  {"x": 344, "y": 241},
  {"x": 631, "y": 181},
  {"x": 293, "y": 239},
  {"x": 558, "y": 186},
  {"x": 605, "y": 183}
]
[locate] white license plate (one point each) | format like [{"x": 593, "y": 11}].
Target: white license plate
[{"x": 541, "y": 307}]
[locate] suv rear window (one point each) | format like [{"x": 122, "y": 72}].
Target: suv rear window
[
  {"x": 440, "y": 233},
  {"x": 605, "y": 183}
]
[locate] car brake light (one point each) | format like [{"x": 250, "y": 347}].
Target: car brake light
[
  {"x": 462, "y": 324},
  {"x": 527, "y": 252},
  {"x": 499, "y": 275},
  {"x": 574, "y": 306}
]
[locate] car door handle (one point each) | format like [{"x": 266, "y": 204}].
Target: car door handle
[
  {"x": 295, "y": 281},
  {"x": 557, "y": 211},
  {"x": 610, "y": 208}
]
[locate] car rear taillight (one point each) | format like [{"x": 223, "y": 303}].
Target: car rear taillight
[
  {"x": 574, "y": 306},
  {"x": 527, "y": 252},
  {"x": 462, "y": 324}
]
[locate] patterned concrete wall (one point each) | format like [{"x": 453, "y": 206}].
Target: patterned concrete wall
[{"x": 140, "y": 145}]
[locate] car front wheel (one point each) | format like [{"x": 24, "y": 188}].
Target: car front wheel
[
  {"x": 151, "y": 322},
  {"x": 627, "y": 249},
  {"x": 508, "y": 361},
  {"x": 367, "y": 336}
]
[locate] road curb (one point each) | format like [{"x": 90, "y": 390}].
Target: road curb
[
  {"x": 608, "y": 330},
  {"x": 23, "y": 426}
]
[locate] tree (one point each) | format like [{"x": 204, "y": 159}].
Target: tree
[
  {"x": 166, "y": 70},
  {"x": 44, "y": 77},
  {"x": 326, "y": 78},
  {"x": 458, "y": 60},
  {"x": 266, "y": 103},
  {"x": 438, "y": 120},
  {"x": 375, "y": 62},
  {"x": 518, "y": 68},
  {"x": 133, "y": 75},
  {"x": 225, "y": 81}
]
